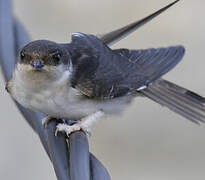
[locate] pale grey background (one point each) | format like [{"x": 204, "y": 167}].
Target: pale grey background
[{"x": 148, "y": 142}]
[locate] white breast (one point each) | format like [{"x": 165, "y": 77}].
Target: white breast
[{"x": 57, "y": 99}]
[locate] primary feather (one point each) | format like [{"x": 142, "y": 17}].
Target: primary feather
[{"x": 178, "y": 99}]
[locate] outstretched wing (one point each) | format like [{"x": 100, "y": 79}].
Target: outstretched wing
[{"x": 100, "y": 72}]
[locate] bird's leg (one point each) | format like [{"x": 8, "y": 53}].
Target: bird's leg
[{"x": 84, "y": 124}]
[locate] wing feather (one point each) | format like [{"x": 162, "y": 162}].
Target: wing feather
[{"x": 104, "y": 73}]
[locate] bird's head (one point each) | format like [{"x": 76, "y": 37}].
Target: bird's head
[{"x": 43, "y": 60}]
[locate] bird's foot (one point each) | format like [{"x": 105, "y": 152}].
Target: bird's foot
[
  {"x": 84, "y": 124},
  {"x": 62, "y": 127}
]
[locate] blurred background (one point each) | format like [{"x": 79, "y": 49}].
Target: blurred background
[{"x": 148, "y": 142}]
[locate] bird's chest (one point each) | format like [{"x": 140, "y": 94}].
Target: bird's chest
[
  {"x": 59, "y": 102},
  {"x": 46, "y": 101},
  {"x": 38, "y": 100}
]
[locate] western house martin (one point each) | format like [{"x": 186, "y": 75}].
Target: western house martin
[{"x": 85, "y": 79}]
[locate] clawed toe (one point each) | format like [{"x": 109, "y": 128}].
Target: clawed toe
[
  {"x": 66, "y": 128},
  {"x": 84, "y": 124},
  {"x": 62, "y": 127}
]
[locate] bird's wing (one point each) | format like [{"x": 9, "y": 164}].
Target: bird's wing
[{"x": 100, "y": 72}]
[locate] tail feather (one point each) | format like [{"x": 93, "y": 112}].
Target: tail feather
[{"x": 178, "y": 99}]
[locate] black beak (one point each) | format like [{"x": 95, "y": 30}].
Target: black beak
[{"x": 37, "y": 64}]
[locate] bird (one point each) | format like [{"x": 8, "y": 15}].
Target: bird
[{"x": 85, "y": 79}]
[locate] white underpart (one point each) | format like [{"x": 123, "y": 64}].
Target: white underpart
[{"x": 84, "y": 124}]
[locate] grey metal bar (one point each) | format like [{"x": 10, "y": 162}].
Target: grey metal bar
[
  {"x": 79, "y": 156},
  {"x": 58, "y": 151},
  {"x": 7, "y": 52},
  {"x": 98, "y": 171},
  {"x": 21, "y": 36}
]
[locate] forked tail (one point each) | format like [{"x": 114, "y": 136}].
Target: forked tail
[{"x": 178, "y": 99}]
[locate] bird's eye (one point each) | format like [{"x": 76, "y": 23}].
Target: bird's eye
[
  {"x": 22, "y": 55},
  {"x": 57, "y": 57}
]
